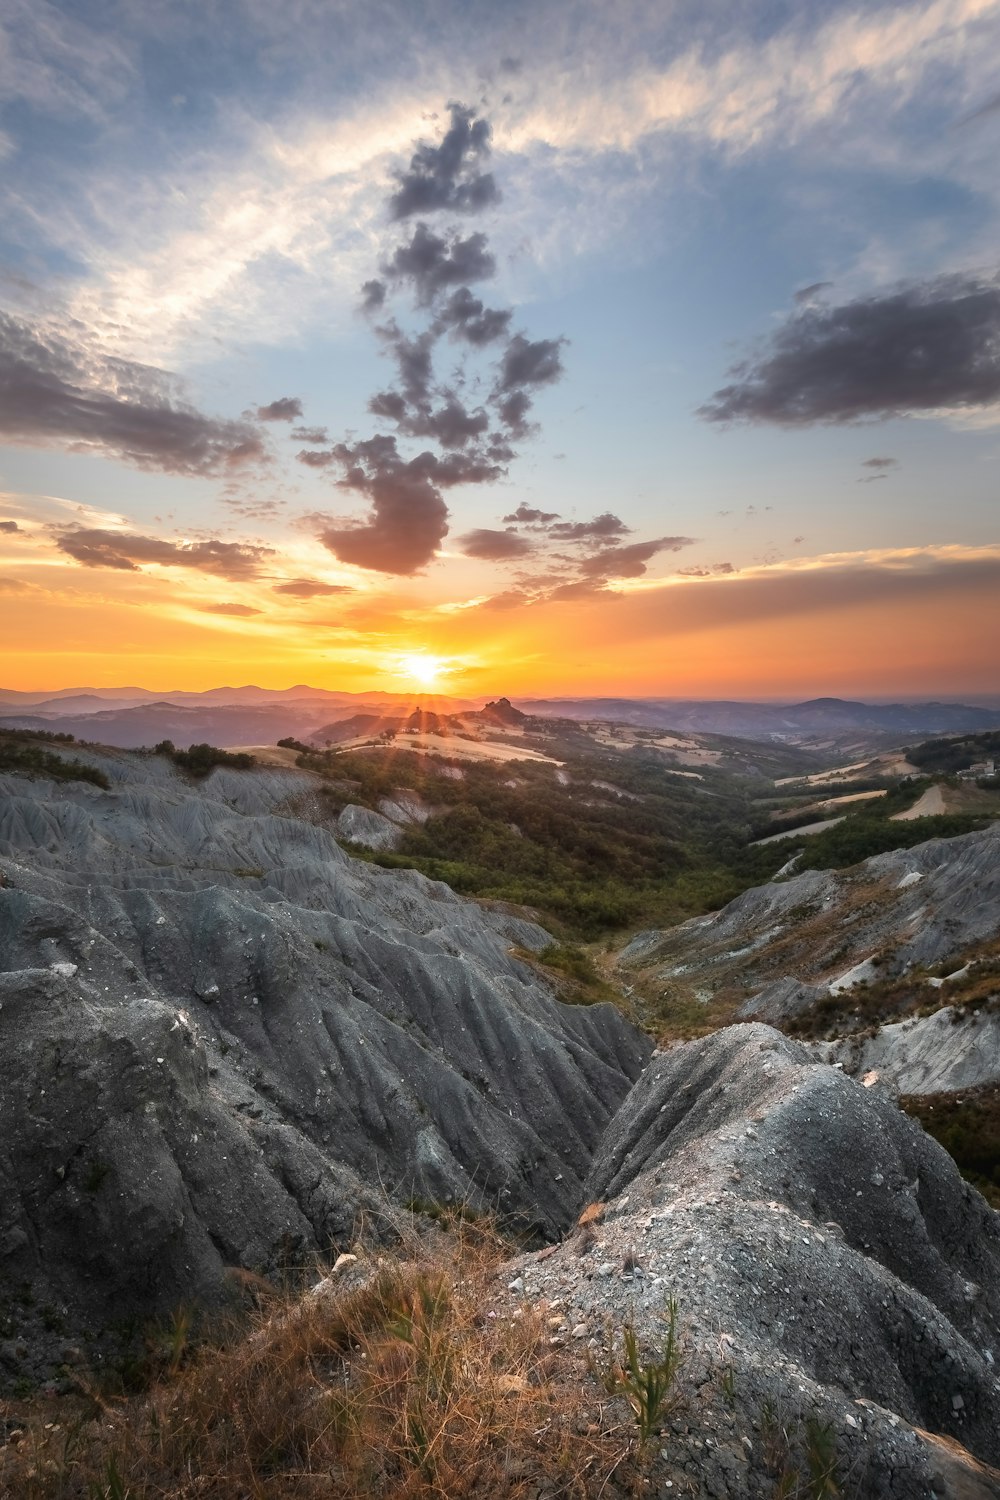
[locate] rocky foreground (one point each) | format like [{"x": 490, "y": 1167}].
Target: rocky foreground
[{"x": 225, "y": 1043}]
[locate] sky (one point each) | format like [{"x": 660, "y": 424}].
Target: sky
[{"x": 563, "y": 347}]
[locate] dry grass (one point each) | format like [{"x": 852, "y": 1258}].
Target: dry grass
[{"x": 422, "y": 1379}]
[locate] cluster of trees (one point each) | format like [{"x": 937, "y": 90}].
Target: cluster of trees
[
  {"x": 21, "y": 752},
  {"x": 956, "y": 753},
  {"x": 589, "y": 859},
  {"x": 198, "y": 760}
]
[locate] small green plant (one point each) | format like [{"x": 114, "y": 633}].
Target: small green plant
[
  {"x": 727, "y": 1382},
  {"x": 821, "y": 1459},
  {"x": 647, "y": 1385},
  {"x": 112, "y": 1486}
]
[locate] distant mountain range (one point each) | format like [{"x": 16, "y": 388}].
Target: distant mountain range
[
  {"x": 129, "y": 716},
  {"x": 761, "y": 721}
]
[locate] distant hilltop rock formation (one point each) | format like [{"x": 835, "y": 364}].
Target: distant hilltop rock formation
[{"x": 227, "y": 1043}]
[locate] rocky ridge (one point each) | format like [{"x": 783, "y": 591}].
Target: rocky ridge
[{"x": 227, "y": 1043}]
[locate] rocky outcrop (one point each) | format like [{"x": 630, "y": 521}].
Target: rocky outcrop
[
  {"x": 829, "y": 1263},
  {"x": 226, "y": 1042},
  {"x": 942, "y": 1053},
  {"x": 360, "y": 825},
  {"x": 778, "y": 948}
]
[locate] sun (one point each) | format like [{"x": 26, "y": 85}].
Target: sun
[{"x": 419, "y": 667}]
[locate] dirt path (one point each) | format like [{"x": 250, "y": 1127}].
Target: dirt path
[{"x": 930, "y": 805}]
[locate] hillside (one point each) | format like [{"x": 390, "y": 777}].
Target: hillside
[{"x": 234, "y": 1050}]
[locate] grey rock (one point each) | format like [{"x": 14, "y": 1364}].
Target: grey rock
[
  {"x": 308, "y": 1036},
  {"x": 360, "y": 825}
]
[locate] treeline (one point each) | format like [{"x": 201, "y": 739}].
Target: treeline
[
  {"x": 21, "y": 752},
  {"x": 198, "y": 760},
  {"x": 589, "y": 859},
  {"x": 958, "y": 753}
]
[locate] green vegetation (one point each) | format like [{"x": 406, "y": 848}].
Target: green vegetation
[
  {"x": 648, "y": 1385},
  {"x": 198, "y": 760},
  {"x": 611, "y": 840},
  {"x": 967, "y": 1125},
  {"x": 23, "y": 752},
  {"x": 644, "y": 849},
  {"x": 956, "y": 753}
]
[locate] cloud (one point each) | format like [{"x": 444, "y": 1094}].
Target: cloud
[
  {"x": 879, "y": 463},
  {"x": 494, "y": 546},
  {"x": 871, "y": 478},
  {"x": 447, "y": 176},
  {"x": 285, "y": 409},
  {"x": 431, "y": 263},
  {"x": 372, "y": 295},
  {"x": 15, "y": 586},
  {"x": 310, "y": 588},
  {"x": 309, "y": 434},
  {"x": 927, "y": 347},
  {"x": 530, "y": 362},
  {"x": 9, "y": 527},
  {"x": 467, "y": 318},
  {"x": 631, "y": 561},
  {"x": 717, "y": 570},
  {"x": 125, "y": 551},
  {"x": 54, "y": 390},
  {"x": 603, "y": 529},
  {"x": 581, "y": 588},
  {"x": 810, "y": 293},
  {"x": 409, "y": 518},
  {"x": 238, "y": 611},
  {"x": 527, "y": 514}
]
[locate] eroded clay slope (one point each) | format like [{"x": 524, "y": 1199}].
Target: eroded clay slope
[{"x": 223, "y": 1041}]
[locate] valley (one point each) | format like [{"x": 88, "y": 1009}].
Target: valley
[{"x": 528, "y": 997}]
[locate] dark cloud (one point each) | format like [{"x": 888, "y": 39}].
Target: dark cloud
[
  {"x": 309, "y": 434},
  {"x": 238, "y": 611},
  {"x": 513, "y": 411},
  {"x": 527, "y": 514},
  {"x": 469, "y": 441},
  {"x": 310, "y": 588},
  {"x": 530, "y": 362},
  {"x": 929, "y": 347},
  {"x": 15, "y": 586},
  {"x": 811, "y": 292},
  {"x": 879, "y": 463},
  {"x": 372, "y": 295},
  {"x": 447, "y": 176},
  {"x": 409, "y": 518},
  {"x": 57, "y": 391},
  {"x": 871, "y": 478},
  {"x": 494, "y": 546},
  {"x": 631, "y": 561},
  {"x": 467, "y": 318},
  {"x": 285, "y": 409},
  {"x": 604, "y": 529},
  {"x": 717, "y": 570},
  {"x": 9, "y": 526},
  {"x": 431, "y": 263},
  {"x": 125, "y": 551},
  {"x": 315, "y": 460}
]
